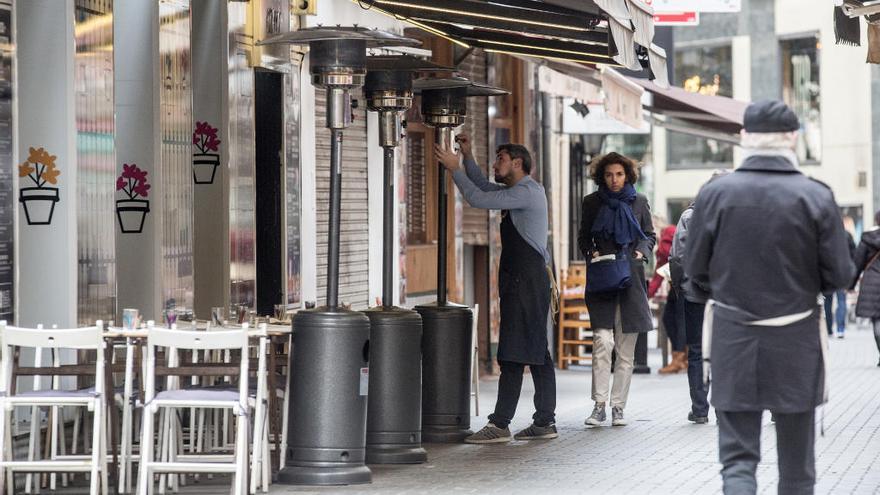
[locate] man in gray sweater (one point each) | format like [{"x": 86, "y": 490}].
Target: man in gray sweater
[{"x": 523, "y": 280}]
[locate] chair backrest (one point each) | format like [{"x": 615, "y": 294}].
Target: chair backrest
[
  {"x": 199, "y": 339},
  {"x": 53, "y": 338}
]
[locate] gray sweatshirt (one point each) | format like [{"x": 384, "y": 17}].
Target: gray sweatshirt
[{"x": 525, "y": 201}]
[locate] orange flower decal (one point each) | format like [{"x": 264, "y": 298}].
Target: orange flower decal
[{"x": 40, "y": 167}]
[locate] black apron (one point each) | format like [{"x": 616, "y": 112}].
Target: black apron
[{"x": 524, "y": 287}]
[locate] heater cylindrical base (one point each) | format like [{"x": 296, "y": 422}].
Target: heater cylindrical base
[
  {"x": 328, "y": 403},
  {"x": 394, "y": 419},
  {"x": 447, "y": 341}
]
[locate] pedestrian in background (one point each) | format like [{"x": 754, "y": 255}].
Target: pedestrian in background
[
  {"x": 868, "y": 268},
  {"x": 694, "y": 305},
  {"x": 764, "y": 242},
  {"x": 673, "y": 310},
  {"x": 616, "y": 224},
  {"x": 839, "y": 316}
]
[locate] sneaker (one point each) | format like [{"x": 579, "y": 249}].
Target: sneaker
[
  {"x": 700, "y": 420},
  {"x": 536, "y": 432},
  {"x": 839, "y": 335},
  {"x": 617, "y": 417},
  {"x": 598, "y": 415},
  {"x": 490, "y": 434}
]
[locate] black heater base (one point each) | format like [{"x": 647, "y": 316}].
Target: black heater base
[
  {"x": 391, "y": 454},
  {"x": 447, "y": 332},
  {"x": 324, "y": 475}
]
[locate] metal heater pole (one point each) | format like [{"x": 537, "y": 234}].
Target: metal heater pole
[
  {"x": 388, "y": 230},
  {"x": 335, "y": 212},
  {"x": 441, "y": 224}
]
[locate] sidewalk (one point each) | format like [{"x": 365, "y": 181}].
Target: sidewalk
[{"x": 659, "y": 452}]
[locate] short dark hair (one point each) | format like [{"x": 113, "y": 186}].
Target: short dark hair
[
  {"x": 597, "y": 168},
  {"x": 517, "y": 151}
]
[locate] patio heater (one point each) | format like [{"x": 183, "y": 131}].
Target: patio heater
[
  {"x": 328, "y": 369},
  {"x": 394, "y": 420},
  {"x": 446, "y": 327}
]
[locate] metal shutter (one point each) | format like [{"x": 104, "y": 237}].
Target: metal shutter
[
  {"x": 354, "y": 237},
  {"x": 475, "y": 228}
]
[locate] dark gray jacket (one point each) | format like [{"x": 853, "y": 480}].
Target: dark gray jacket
[
  {"x": 634, "y": 311},
  {"x": 868, "y": 305},
  {"x": 680, "y": 279},
  {"x": 766, "y": 240}
]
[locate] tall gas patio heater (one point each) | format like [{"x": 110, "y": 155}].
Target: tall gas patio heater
[
  {"x": 446, "y": 327},
  {"x": 394, "y": 420},
  {"x": 328, "y": 372}
]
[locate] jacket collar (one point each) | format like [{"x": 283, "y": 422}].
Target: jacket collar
[{"x": 770, "y": 162}]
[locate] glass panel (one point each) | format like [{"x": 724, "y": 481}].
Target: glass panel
[
  {"x": 96, "y": 156},
  {"x": 708, "y": 71},
  {"x": 242, "y": 271},
  {"x": 293, "y": 183},
  {"x": 7, "y": 198},
  {"x": 176, "y": 168},
  {"x": 800, "y": 90}
]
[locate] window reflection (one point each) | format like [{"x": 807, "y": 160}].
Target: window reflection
[{"x": 800, "y": 90}]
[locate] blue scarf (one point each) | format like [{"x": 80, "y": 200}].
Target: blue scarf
[{"x": 615, "y": 219}]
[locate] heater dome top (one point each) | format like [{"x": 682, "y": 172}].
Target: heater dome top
[
  {"x": 373, "y": 37},
  {"x": 455, "y": 82}
]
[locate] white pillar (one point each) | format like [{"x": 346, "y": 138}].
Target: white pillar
[
  {"x": 375, "y": 183},
  {"x": 210, "y": 76},
  {"x": 138, "y": 137},
  {"x": 309, "y": 206},
  {"x": 46, "y": 121}
]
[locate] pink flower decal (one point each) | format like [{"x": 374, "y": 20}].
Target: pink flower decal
[
  {"x": 133, "y": 181},
  {"x": 205, "y": 137}
]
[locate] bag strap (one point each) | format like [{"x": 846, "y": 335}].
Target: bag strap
[{"x": 872, "y": 260}]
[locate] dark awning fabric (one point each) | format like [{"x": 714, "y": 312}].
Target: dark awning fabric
[
  {"x": 718, "y": 114},
  {"x": 586, "y": 31}
]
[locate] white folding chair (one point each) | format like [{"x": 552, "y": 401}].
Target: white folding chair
[
  {"x": 89, "y": 338},
  {"x": 475, "y": 361},
  {"x": 198, "y": 397}
]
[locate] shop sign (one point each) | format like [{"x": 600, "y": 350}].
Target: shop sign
[
  {"x": 676, "y": 18},
  {"x": 726, "y": 6}
]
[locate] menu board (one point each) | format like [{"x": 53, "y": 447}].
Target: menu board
[{"x": 7, "y": 167}]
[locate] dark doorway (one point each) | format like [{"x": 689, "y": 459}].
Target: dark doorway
[{"x": 269, "y": 142}]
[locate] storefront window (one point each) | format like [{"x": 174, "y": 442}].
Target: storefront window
[
  {"x": 708, "y": 71},
  {"x": 800, "y": 90}
]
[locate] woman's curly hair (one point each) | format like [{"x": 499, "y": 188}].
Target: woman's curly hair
[{"x": 597, "y": 168}]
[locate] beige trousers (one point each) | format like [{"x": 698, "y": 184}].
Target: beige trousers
[{"x": 604, "y": 342}]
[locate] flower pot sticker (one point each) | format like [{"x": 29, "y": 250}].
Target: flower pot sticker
[
  {"x": 131, "y": 214},
  {"x": 39, "y": 199},
  {"x": 131, "y": 211},
  {"x": 207, "y": 159},
  {"x": 39, "y": 204}
]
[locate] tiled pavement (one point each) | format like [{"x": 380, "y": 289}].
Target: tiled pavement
[{"x": 658, "y": 453}]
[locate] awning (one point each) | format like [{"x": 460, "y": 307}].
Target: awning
[
  {"x": 594, "y": 32},
  {"x": 714, "y": 117}
]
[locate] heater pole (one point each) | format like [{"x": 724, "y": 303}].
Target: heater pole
[
  {"x": 441, "y": 224},
  {"x": 335, "y": 207},
  {"x": 388, "y": 229}
]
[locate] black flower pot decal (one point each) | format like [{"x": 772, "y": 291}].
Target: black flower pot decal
[
  {"x": 39, "y": 200},
  {"x": 206, "y": 161},
  {"x": 132, "y": 212}
]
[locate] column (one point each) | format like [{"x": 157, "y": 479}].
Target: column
[{"x": 47, "y": 222}]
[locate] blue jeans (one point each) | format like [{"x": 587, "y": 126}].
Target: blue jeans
[
  {"x": 840, "y": 314},
  {"x": 693, "y": 324},
  {"x": 673, "y": 320}
]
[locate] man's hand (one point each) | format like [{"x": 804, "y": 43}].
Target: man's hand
[
  {"x": 446, "y": 157},
  {"x": 639, "y": 255},
  {"x": 464, "y": 144}
]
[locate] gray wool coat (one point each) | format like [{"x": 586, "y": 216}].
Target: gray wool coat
[
  {"x": 635, "y": 314},
  {"x": 764, "y": 242}
]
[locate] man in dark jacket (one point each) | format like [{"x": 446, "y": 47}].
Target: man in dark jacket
[{"x": 765, "y": 241}]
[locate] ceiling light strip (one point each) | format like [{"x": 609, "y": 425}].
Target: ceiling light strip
[{"x": 480, "y": 15}]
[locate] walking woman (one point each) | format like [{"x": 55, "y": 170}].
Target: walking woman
[
  {"x": 868, "y": 267},
  {"x": 615, "y": 225}
]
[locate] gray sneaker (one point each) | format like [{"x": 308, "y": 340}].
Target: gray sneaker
[
  {"x": 536, "y": 432},
  {"x": 490, "y": 434},
  {"x": 598, "y": 415},
  {"x": 617, "y": 417}
]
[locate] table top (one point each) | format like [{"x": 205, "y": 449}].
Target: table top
[{"x": 272, "y": 330}]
